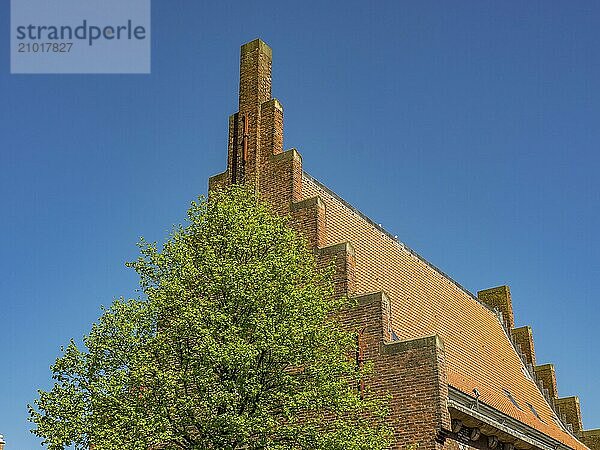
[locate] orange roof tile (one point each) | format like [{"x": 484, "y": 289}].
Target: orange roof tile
[{"x": 425, "y": 301}]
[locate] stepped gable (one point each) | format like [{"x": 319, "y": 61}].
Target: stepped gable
[
  {"x": 459, "y": 373},
  {"x": 425, "y": 301}
]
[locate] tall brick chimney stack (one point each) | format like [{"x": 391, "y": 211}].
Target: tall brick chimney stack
[
  {"x": 255, "y": 76},
  {"x": 256, "y": 130},
  {"x": 499, "y": 298}
]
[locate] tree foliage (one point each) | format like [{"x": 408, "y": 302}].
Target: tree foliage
[{"x": 233, "y": 345}]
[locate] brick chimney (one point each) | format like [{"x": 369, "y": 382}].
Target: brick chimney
[
  {"x": 255, "y": 155},
  {"x": 591, "y": 438},
  {"x": 523, "y": 337},
  {"x": 547, "y": 375},
  {"x": 256, "y": 130},
  {"x": 499, "y": 298},
  {"x": 569, "y": 407}
]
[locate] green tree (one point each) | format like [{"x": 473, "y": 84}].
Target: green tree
[{"x": 233, "y": 345}]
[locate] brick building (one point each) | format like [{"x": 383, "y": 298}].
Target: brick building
[{"x": 460, "y": 374}]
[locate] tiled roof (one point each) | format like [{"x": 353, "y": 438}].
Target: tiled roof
[{"x": 425, "y": 301}]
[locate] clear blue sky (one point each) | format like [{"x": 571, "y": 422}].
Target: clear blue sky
[{"x": 469, "y": 129}]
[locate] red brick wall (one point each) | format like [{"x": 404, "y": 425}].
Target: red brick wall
[
  {"x": 523, "y": 337},
  {"x": 591, "y": 438},
  {"x": 412, "y": 372},
  {"x": 499, "y": 297},
  {"x": 569, "y": 408},
  {"x": 546, "y": 374},
  {"x": 309, "y": 217}
]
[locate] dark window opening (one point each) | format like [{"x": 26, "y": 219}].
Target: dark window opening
[
  {"x": 511, "y": 398},
  {"x": 535, "y": 413}
]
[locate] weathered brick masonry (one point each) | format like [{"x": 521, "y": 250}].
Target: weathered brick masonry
[{"x": 459, "y": 373}]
